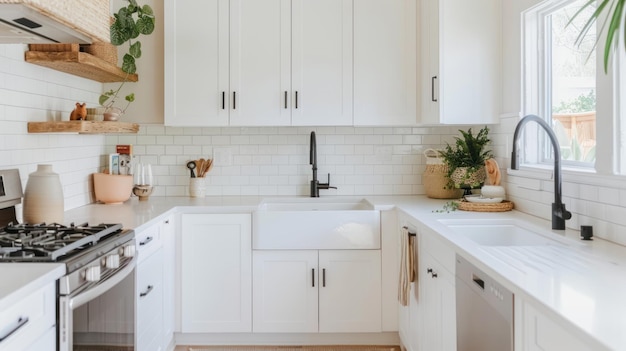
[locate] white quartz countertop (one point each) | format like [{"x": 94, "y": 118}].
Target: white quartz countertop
[
  {"x": 584, "y": 285},
  {"x": 20, "y": 279}
]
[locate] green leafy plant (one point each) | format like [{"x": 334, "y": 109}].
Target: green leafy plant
[
  {"x": 448, "y": 207},
  {"x": 468, "y": 151},
  {"x": 129, "y": 22},
  {"x": 582, "y": 103},
  {"x": 612, "y": 23}
]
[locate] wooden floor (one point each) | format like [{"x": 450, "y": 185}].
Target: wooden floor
[{"x": 290, "y": 348}]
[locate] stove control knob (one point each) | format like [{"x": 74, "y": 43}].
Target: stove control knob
[
  {"x": 113, "y": 261},
  {"x": 129, "y": 251},
  {"x": 92, "y": 274}
]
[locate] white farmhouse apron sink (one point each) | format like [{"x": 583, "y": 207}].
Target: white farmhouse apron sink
[{"x": 315, "y": 223}]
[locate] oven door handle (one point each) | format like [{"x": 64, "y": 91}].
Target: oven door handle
[{"x": 90, "y": 294}]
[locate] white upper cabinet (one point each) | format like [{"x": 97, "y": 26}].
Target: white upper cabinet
[
  {"x": 461, "y": 61},
  {"x": 322, "y": 62},
  {"x": 260, "y": 44},
  {"x": 196, "y": 63},
  {"x": 258, "y": 62},
  {"x": 385, "y": 62}
]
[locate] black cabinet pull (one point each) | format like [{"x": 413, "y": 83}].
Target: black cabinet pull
[
  {"x": 145, "y": 242},
  {"x": 285, "y": 99},
  {"x": 313, "y": 277},
  {"x": 432, "y": 89},
  {"x": 148, "y": 290},
  {"x": 20, "y": 323},
  {"x": 324, "y": 277},
  {"x": 234, "y": 100},
  {"x": 223, "y": 100},
  {"x": 296, "y": 99}
]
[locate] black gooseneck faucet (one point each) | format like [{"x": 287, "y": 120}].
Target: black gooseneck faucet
[
  {"x": 559, "y": 213},
  {"x": 315, "y": 184}
]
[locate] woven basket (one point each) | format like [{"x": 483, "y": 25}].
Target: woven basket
[
  {"x": 436, "y": 182},
  {"x": 105, "y": 51},
  {"x": 434, "y": 178},
  {"x": 503, "y": 206}
]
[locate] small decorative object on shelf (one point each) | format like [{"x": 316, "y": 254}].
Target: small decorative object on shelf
[
  {"x": 144, "y": 182},
  {"x": 79, "y": 113}
]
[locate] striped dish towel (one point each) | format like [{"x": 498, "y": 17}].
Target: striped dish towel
[{"x": 408, "y": 265}]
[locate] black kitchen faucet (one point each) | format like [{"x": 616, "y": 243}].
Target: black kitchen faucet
[
  {"x": 315, "y": 184},
  {"x": 559, "y": 213}
]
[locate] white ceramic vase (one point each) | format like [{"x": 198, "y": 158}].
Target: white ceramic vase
[{"x": 43, "y": 197}]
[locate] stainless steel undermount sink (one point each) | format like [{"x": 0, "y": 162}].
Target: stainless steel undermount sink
[
  {"x": 316, "y": 223},
  {"x": 502, "y": 232}
]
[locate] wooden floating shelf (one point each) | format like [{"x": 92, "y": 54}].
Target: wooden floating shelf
[
  {"x": 80, "y": 64},
  {"x": 83, "y": 127}
]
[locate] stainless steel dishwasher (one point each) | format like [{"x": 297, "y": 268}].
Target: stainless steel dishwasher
[{"x": 484, "y": 311}]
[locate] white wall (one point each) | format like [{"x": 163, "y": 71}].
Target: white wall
[{"x": 32, "y": 93}]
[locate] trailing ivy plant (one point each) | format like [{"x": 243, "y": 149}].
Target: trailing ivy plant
[{"x": 129, "y": 23}]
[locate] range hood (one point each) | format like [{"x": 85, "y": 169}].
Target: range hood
[{"x": 22, "y": 24}]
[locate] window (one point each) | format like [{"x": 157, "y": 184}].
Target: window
[
  {"x": 560, "y": 82},
  {"x": 566, "y": 84}
]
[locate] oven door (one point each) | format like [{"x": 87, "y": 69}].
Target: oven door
[{"x": 101, "y": 316}]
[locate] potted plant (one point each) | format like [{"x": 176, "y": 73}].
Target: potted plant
[
  {"x": 466, "y": 158},
  {"x": 616, "y": 13},
  {"x": 129, "y": 22}
]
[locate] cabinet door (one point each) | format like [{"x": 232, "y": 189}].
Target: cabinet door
[
  {"x": 169, "y": 278},
  {"x": 260, "y": 58},
  {"x": 196, "y": 62},
  {"x": 540, "y": 333},
  {"x": 438, "y": 306},
  {"x": 385, "y": 62},
  {"x": 461, "y": 70},
  {"x": 322, "y": 63},
  {"x": 216, "y": 273},
  {"x": 149, "y": 297},
  {"x": 285, "y": 291},
  {"x": 350, "y": 291}
]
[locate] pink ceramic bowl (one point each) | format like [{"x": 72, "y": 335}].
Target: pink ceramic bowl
[{"x": 112, "y": 188}]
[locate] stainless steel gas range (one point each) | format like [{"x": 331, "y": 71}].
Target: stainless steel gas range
[{"x": 95, "y": 297}]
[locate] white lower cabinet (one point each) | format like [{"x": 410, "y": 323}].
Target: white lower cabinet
[
  {"x": 149, "y": 297},
  {"x": 317, "y": 291},
  {"x": 149, "y": 290},
  {"x": 437, "y": 293},
  {"x": 429, "y": 321},
  {"x": 216, "y": 273},
  {"x": 536, "y": 331},
  {"x": 27, "y": 325},
  {"x": 438, "y": 305}
]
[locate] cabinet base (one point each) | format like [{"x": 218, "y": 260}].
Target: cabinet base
[{"x": 300, "y": 339}]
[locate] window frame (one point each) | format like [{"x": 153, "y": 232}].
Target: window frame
[{"x": 610, "y": 159}]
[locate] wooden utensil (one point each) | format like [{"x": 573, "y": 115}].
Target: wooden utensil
[{"x": 200, "y": 164}]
